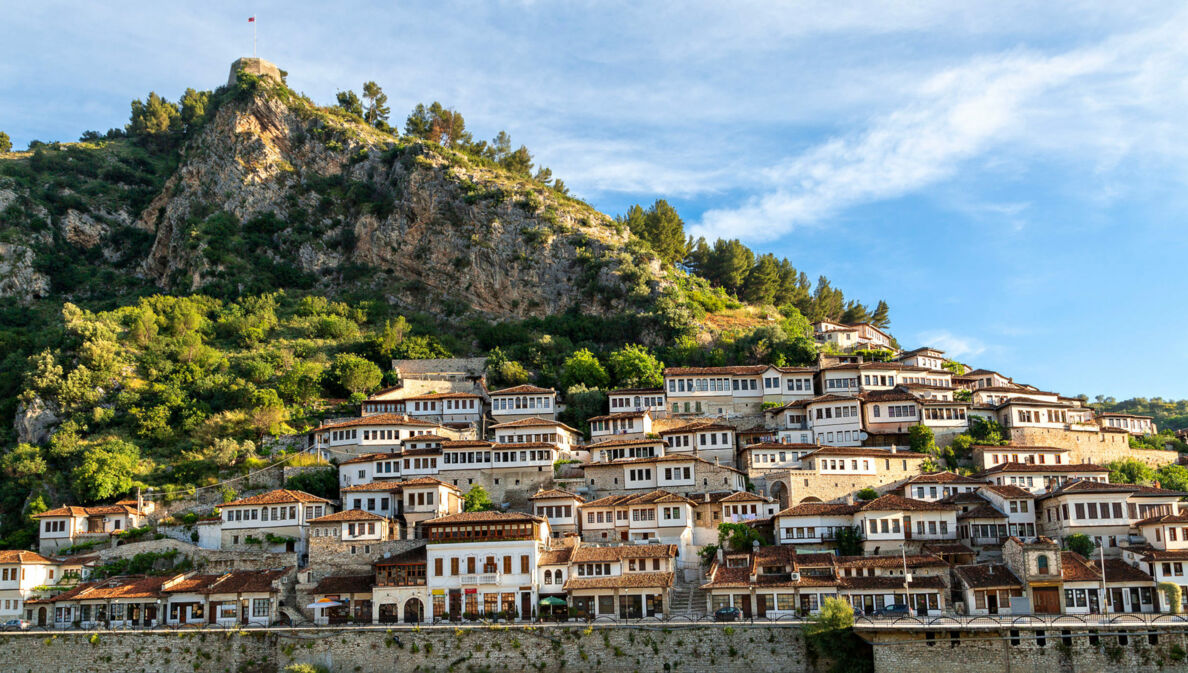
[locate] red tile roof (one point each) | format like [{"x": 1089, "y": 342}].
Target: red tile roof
[
  {"x": 344, "y": 584},
  {"x": 278, "y": 497},
  {"x": 377, "y": 419},
  {"x": 628, "y": 580},
  {"x": 898, "y": 503},
  {"x": 522, "y": 390}
]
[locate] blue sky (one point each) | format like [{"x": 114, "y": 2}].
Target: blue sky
[{"x": 1010, "y": 177}]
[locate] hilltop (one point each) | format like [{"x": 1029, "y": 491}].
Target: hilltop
[{"x": 240, "y": 264}]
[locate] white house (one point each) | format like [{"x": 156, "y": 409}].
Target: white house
[
  {"x": 21, "y": 572},
  {"x": 273, "y": 521},
  {"x": 484, "y": 563},
  {"x": 523, "y": 401},
  {"x": 706, "y": 439},
  {"x": 891, "y": 523},
  {"x": 651, "y": 400}
]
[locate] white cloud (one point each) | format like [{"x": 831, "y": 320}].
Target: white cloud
[
  {"x": 1080, "y": 102},
  {"x": 955, "y": 346}
]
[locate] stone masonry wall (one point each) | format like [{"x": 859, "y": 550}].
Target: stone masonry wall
[
  {"x": 1091, "y": 447},
  {"x": 648, "y": 649},
  {"x": 1000, "y": 652}
]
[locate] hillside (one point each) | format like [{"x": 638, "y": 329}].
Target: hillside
[{"x": 240, "y": 266}]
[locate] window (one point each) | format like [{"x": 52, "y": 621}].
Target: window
[
  {"x": 1041, "y": 564},
  {"x": 260, "y": 607}
]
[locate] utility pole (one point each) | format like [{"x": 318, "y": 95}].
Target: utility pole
[{"x": 1105, "y": 604}]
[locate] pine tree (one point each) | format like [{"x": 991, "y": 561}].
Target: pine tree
[
  {"x": 419, "y": 122},
  {"x": 5, "y": 143},
  {"x": 763, "y": 281},
  {"x": 881, "y": 318},
  {"x": 350, "y": 103},
  {"x": 377, "y": 109}
]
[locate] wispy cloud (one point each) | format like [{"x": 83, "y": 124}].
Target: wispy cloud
[
  {"x": 955, "y": 346},
  {"x": 964, "y": 112}
]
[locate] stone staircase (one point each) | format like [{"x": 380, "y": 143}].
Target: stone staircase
[{"x": 688, "y": 600}]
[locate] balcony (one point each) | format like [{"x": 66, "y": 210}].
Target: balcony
[{"x": 475, "y": 580}]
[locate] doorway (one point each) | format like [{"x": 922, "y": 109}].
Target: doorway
[{"x": 1047, "y": 600}]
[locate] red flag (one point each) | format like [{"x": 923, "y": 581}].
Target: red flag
[{"x": 251, "y": 19}]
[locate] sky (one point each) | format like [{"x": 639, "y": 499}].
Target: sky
[{"x": 1009, "y": 177}]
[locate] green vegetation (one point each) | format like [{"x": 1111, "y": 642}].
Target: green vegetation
[
  {"x": 849, "y": 541},
  {"x": 1168, "y": 415},
  {"x": 1131, "y": 471},
  {"x": 830, "y": 636},
  {"x": 5, "y": 143},
  {"x": 477, "y": 500},
  {"x": 178, "y": 390},
  {"x": 1080, "y": 543},
  {"x": 867, "y": 493}
]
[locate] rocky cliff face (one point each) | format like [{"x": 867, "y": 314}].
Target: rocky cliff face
[{"x": 335, "y": 203}]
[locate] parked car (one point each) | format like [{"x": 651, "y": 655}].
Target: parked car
[
  {"x": 727, "y": 614},
  {"x": 16, "y": 625},
  {"x": 896, "y": 610}
]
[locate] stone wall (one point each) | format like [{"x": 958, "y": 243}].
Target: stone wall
[
  {"x": 211, "y": 559},
  {"x": 791, "y": 487},
  {"x": 1032, "y": 650},
  {"x": 648, "y": 649},
  {"x": 332, "y": 556},
  {"x": 1091, "y": 447},
  {"x": 504, "y": 485}
]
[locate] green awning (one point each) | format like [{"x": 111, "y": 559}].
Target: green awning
[{"x": 553, "y": 600}]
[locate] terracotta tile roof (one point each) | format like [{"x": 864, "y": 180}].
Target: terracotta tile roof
[
  {"x": 347, "y": 515},
  {"x": 709, "y": 498},
  {"x": 697, "y": 426},
  {"x": 532, "y": 423},
  {"x": 72, "y": 510},
  {"x": 623, "y": 443},
  {"x": 1075, "y": 568},
  {"x": 412, "y": 556},
  {"x": 394, "y": 485},
  {"x": 620, "y": 414},
  {"x": 723, "y": 577},
  {"x": 987, "y": 576},
  {"x": 628, "y": 580},
  {"x": 887, "y": 396},
  {"x": 10, "y": 556},
  {"x": 484, "y": 517},
  {"x": 426, "y": 451},
  {"x": 1044, "y": 469},
  {"x": 668, "y": 458},
  {"x": 127, "y": 586},
  {"x": 1117, "y": 570},
  {"x": 443, "y": 396},
  {"x": 377, "y": 419},
  {"x": 555, "y": 557},
  {"x": 780, "y": 445},
  {"x": 247, "y": 581},
  {"x": 736, "y": 370},
  {"x": 522, "y": 390},
  {"x": 277, "y": 497},
  {"x": 898, "y": 503},
  {"x": 555, "y": 493},
  {"x": 1085, "y": 486},
  {"x": 943, "y": 478},
  {"x": 942, "y": 548},
  {"x": 371, "y": 458},
  {"x": 466, "y": 444},
  {"x": 609, "y": 501},
  {"x": 425, "y": 438},
  {"x": 891, "y": 561},
  {"x": 65, "y": 510},
  {"x": 524, "y": 445},
  {"x": 983, "y": 511},
  {"x": 864, "y": 452},
  {"x": 963, "y": 498},
  {"x": 1007, "y": 448},
  {"x": 891, "y": 582},
  {"x": 1166, "y": 555},
  {"x": 624, "y": 552},
  {"x": 345, "y": 584},
  {"x": 1164, "y": 518},
  {"x": 745, "y": 496},
  {"x": 1009, "y": 491},
  {"x": 819, "y": 509},
  {"x": 190, "y": 585},
  {"x": 658, "y": 497}
]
